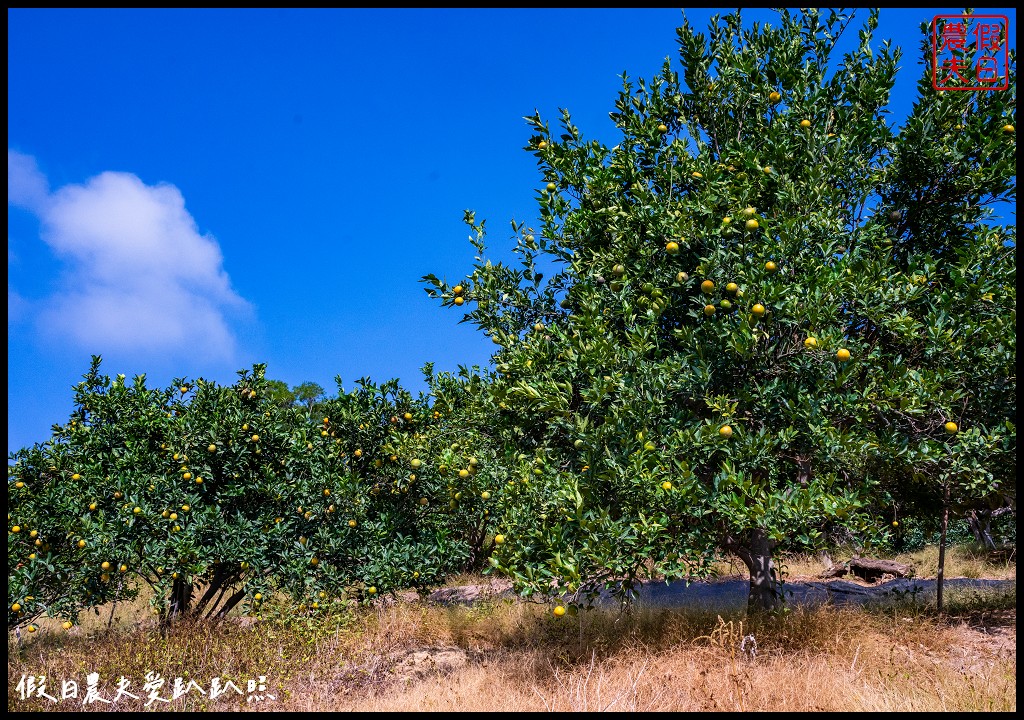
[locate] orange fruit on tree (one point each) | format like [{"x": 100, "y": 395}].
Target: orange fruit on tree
[
  {"x": 663, "y": 128},
  {"x": 709, "y": 310},
  {"x": 1008, "y": 129},
  {"x": 672, "y": 248},
  {"x": 770, "y": 266},
  {"x": 551, "y": 187},
  {"x": 843, "y": 354},
  {"x": 758, "y": 310},
  {"x": 811, "y": 342},
  {"x": 952, "y": 427},
  {"x": 459, "y": 300},
  {"x": 774, "y": 97},
  {"x": 707, "y": 287},
  {"x": 725, "y": 431},
  {"x": 751, "y": 224},
  {"x": 805, "y": 124},
  {"x": 559, "y": 611}
]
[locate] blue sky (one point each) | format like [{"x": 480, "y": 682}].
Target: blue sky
[{"x": 194, "y": 191}]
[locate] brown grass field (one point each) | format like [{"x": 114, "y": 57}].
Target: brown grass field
[{"x": 515, "y": 656}]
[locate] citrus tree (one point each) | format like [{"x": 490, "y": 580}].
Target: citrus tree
[
  {"x": 698, "y": 350},
  {"x": 212, "y": 496},
  {"x": 947, "y": 401}
]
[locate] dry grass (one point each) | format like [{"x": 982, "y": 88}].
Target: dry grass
[
  {"x": 961, "y": 562},
  {"x": 514, "y": 656}
]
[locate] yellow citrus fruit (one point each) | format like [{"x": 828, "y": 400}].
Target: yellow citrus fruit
[
  {"x": 415, "y": 463},
  {"x": 255, "y": 438},
  {"x": 774, "y": 97},
  {"x": 952, "y": 428},
  {"x": 843, "y": 354},
  {"x": 663, "y": 128},
  {"x": 709, "y": 310},
  {"x": 725, "y": 431},
  {"x": 459, "y": 300},
  {"x": 76, "y": 477},
  {"x": 67, "y": 625},
  {"x": 81, "y": 543},
  {"x": 749, "y": 211},
  {"x": 696, "y": 175},
  {"x": 707, "y": 287},
  {"x": 187, "y": 476},
  {"x": 485, "y": 495},
  {"x": 463, "y": 473},
  {"x": 541, "y": 145},
  {"x": 895, "y": 523},
  {"x": 559, "y": 611},
  {"x": 314, "y": 561},
  {"x": 499, "y": 539},
  {"x": 105, "y": 566},
  {"x": 666, "y": 485},
  {"x": 672, "y": 248},
  {"x": 732, "y": 288},
  {"x": 371, "y": 590},
  {"x": 805, "y": 123},
  {"x": 811, "y": 342},
  {"x": 551, "y": 187},
  {"x": 136, "y": 510},
  {"x": 770, "y": 266},
  {"x": 123, "y": 568},
  {"x": 1008, "y": 129},
  {"x": 751, "y": 224},
  {"x": 758, "y": 310},
  {"x": 211, "y": 448},
  {"x": 31, "y": 628},
  {"x": 352, "y": 523},
  {"x": 682, "y": 277}
]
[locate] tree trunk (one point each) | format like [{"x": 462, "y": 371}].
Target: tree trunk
[
  {"x": 980, "y": 523},
  {"x": 942, "y": 549},
  {"x": 181, "y": 598},
  {"x": 765, "y": 588}
]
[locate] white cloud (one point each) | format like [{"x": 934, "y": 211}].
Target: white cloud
[
  {"x": 26, "y": 186},
  {"x": 138, "y": 277}
]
